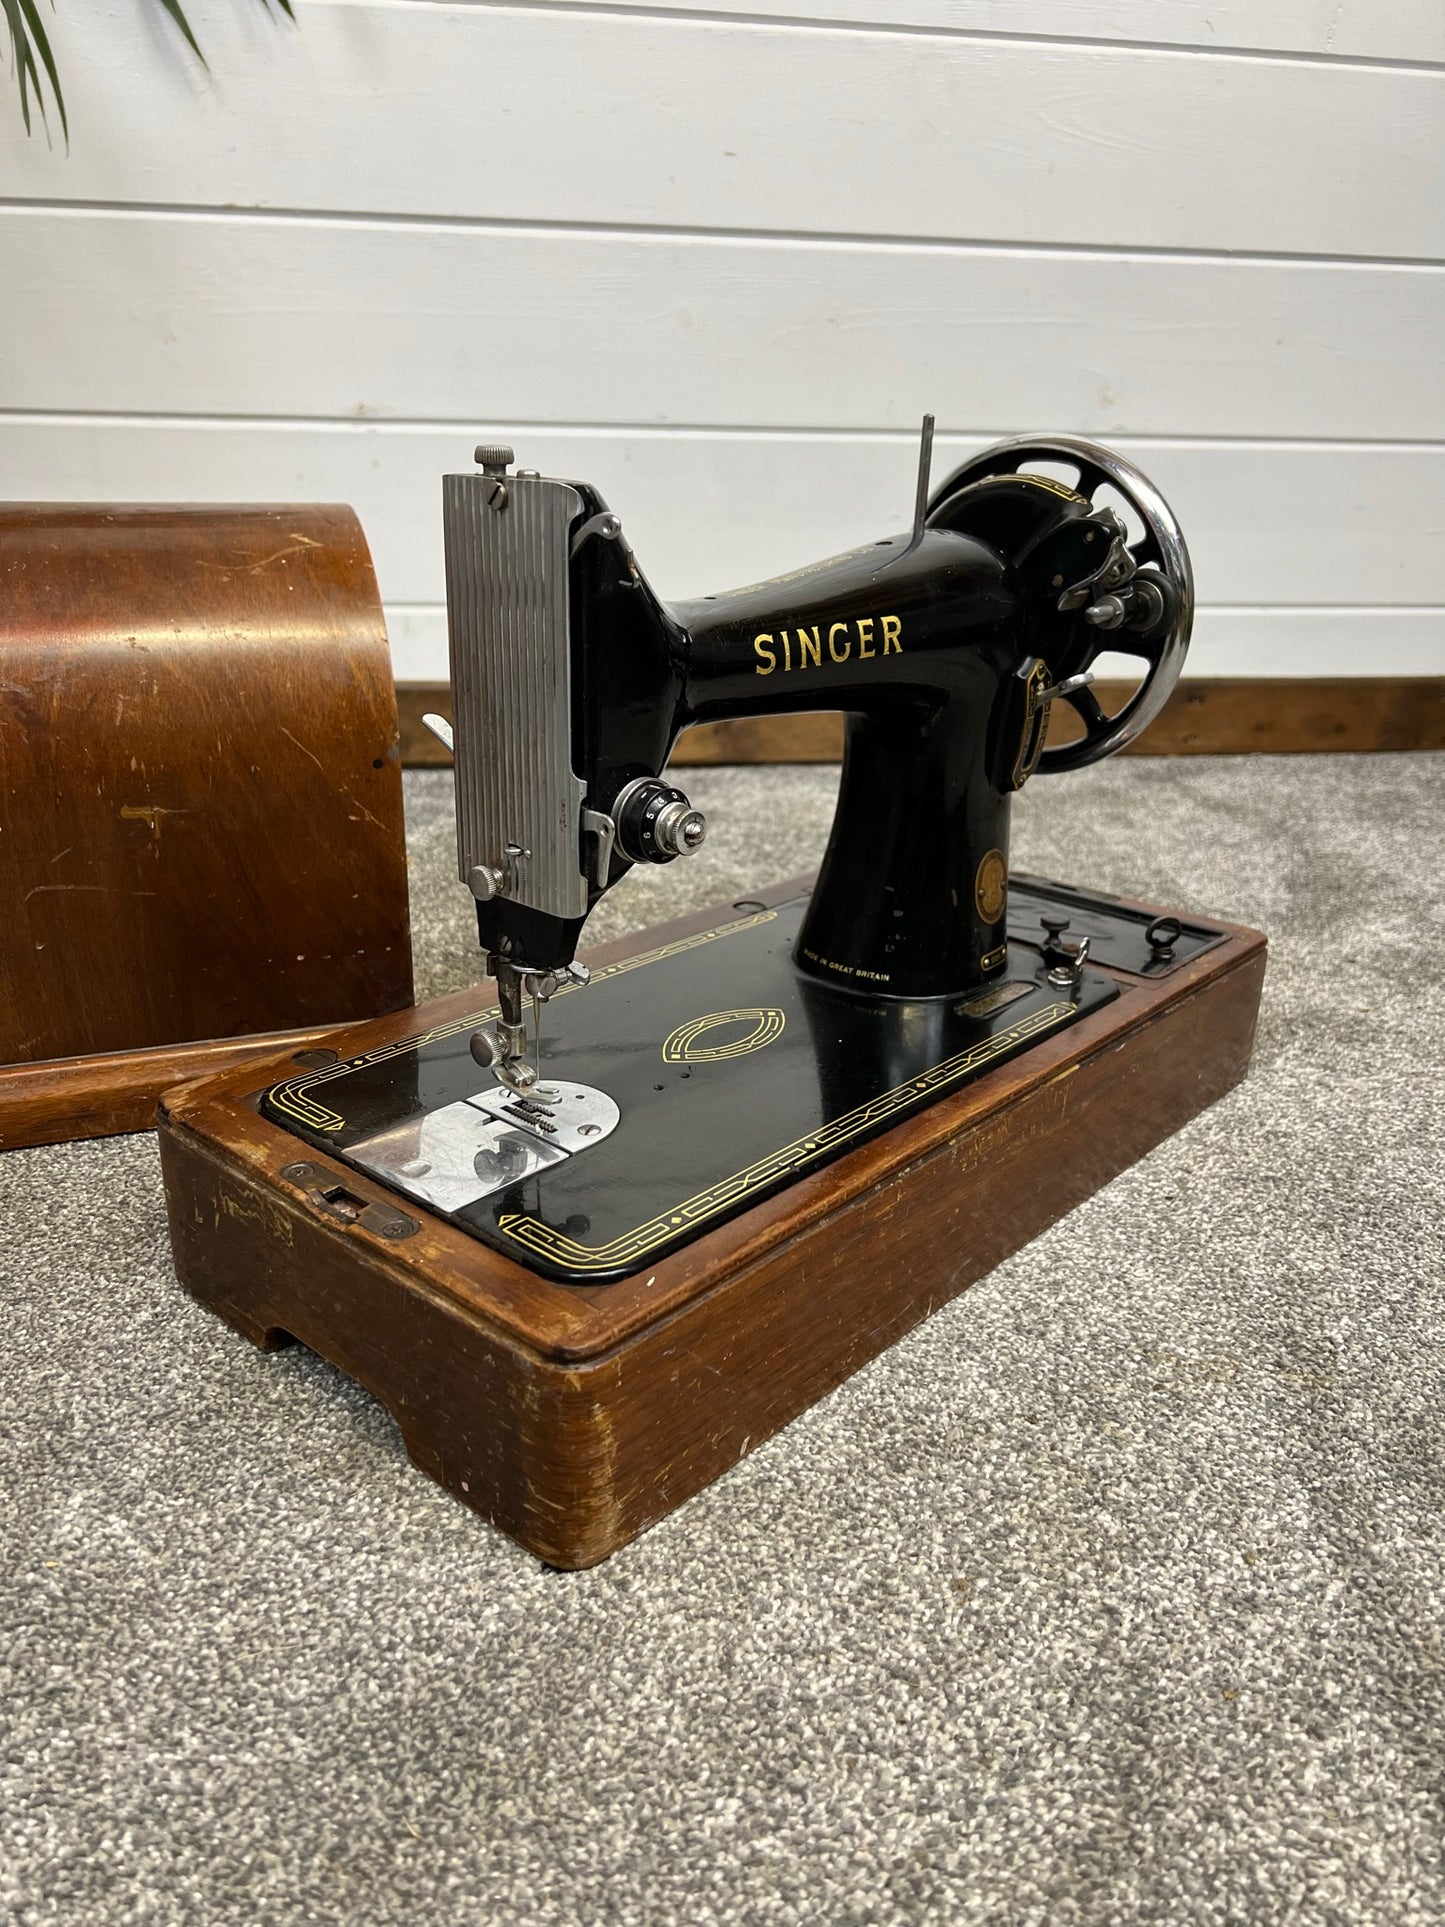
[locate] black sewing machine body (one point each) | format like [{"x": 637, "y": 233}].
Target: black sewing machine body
[
  {"x": 915, "y": 640},
  {"x": 690, "y": 1083},
  {"x": 944, "y": 649}
]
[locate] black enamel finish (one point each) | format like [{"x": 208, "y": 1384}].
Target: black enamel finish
[
  {"x": 914, "y": 641},
  {"x": 936, "y": 646},
  {"x": 1118, "y": 934},
  {"x": 704, "y": 1133}
]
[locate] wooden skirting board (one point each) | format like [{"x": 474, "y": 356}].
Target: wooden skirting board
[{"x": 1206, "y": 716}]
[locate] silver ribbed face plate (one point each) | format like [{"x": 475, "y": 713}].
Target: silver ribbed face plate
[{"x": 507, "y": 612}]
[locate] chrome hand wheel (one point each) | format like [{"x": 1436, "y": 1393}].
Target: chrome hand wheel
[{"x": 1140, "y": 602}]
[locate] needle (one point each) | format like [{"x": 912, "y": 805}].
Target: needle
[{"x": 541, "y": 1093}]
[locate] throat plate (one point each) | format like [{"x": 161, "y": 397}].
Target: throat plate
[
  {"x": 732, "y": 1075},
  {"x": 456, "y": 1156}
]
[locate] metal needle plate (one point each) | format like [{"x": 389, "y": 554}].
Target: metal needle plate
[
  {"x": 455, "y": 1156},
  {"x": 566, "y": 1117}
]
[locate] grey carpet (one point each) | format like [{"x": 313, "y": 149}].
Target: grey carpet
[{"x": 1110, "y": 1596}]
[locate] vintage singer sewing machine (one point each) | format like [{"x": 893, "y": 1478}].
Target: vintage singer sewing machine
[{"x": 590, "y": 1260}]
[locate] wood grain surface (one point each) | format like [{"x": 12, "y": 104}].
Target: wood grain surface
[
  {"x": 573, "y": 1418},
  {"x": 1223, "y": 716},
  {"x": 1316, "y": 558},
  {"x": 200, "y": 796},
  {"x": 727, "y": 331},
  {"x": 809, "y": 225},
  {"x": 748, "y": 124},
  {"x": 76, "y": 1097}
]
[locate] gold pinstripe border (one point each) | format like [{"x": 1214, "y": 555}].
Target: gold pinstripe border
[
  {"x": 630, "y": 1245},
  {"x": 294, "y": 1096}
]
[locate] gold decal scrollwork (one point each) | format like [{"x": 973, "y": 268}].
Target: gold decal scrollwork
[
  {"x": 294, "y": 1097},
  {"x": 683, "y": 1046},
  {"x": 543, "y": 1239}
]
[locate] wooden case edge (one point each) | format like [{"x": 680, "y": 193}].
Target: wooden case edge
[{"x": 573, "y": 1431}]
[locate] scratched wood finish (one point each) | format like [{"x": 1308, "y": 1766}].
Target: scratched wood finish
[
  {"x": 573, "y": 1419},
  {"x": 1206, "y": 716},
  {"x": 807, "y": 225},
  {"x": 200, "y": 798},
  {"x": 74, "y": 1097}
]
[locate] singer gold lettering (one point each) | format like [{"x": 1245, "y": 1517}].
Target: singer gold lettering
[{"x": 864, "y": 633}]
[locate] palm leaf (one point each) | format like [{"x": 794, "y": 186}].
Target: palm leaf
[
  {"x": 27, "y": 33},
  {"x": 173, "y": 8},
  {"x": 28, "y": 39},
  {"x": 41, "y": 42}
]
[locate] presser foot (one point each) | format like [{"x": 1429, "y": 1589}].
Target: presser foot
[{"x": 501, "y": 1047}]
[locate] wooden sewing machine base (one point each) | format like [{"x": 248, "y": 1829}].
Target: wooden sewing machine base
[{"x": 573, "y": 1416}]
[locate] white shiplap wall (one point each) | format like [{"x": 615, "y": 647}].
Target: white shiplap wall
[{"x": 719, "y": 259}]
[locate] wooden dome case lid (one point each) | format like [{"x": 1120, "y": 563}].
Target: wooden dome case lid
[{"x": 201, "y": 838}]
